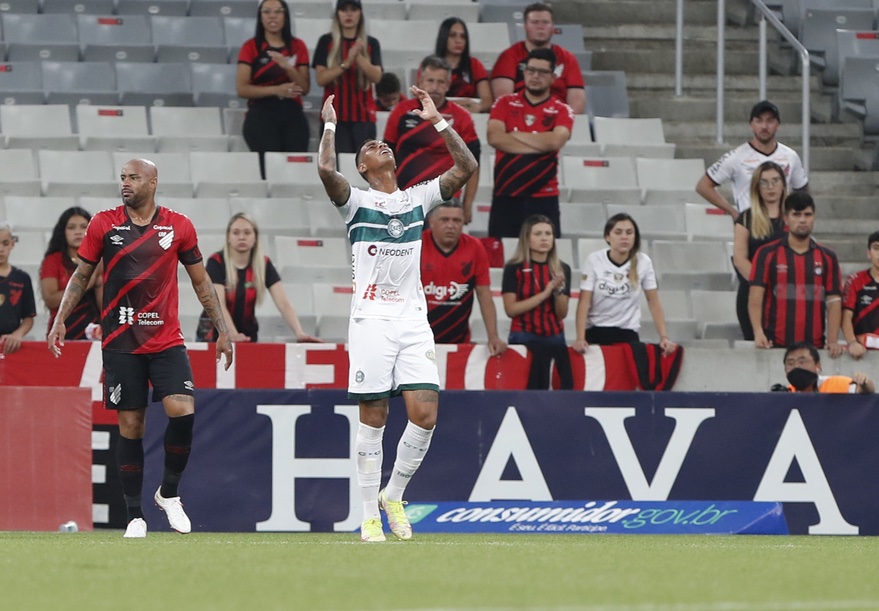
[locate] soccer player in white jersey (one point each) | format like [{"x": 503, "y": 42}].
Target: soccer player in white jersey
[
  {"x": 390, "y": 344},
  {"x": 739, "y": 164}
]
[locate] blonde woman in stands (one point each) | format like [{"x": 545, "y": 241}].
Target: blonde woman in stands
[
  {"x": 347, "y": 63},
  {"x": 761, "y": 223},
  {"x": 243, "y": 274},
  {"x": 470, "y": 86},
  {"x": 273, "y": 76},
  {"x": 609, "y": 310},
  {"x": 17, "y": 304}
]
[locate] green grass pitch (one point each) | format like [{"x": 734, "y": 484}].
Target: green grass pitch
[{"x": 256, "y": 572}]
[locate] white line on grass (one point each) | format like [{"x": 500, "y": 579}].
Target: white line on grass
[{"x": 825, "y": 605}]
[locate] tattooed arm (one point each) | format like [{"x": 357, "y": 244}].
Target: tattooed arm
[
  {"x": 455, "y": 177},
  {"x": 207, "y": 295},
  {"x": 335, "y": 184},
  {"x": 76, "y": 288}
]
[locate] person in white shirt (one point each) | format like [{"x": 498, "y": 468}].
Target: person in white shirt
[
  {"x": 609, "y": 309},
  {"x": 390, "y": 344},
  {"x": 739, "y": 164}
]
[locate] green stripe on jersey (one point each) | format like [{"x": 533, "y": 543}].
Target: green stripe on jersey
[
  {"x": 375, "y": 217},
  {"x": 370, "y": 225},
  {"x": 372, "y": 233}
]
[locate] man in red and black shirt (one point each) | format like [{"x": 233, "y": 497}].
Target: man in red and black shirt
[
  {"x": 527, "y": 129},
  {"x": 420, "y": 151},
  {"x": 860, "y": 304},
  {"x": 454, "y": 268},
  {"x": 795, "y": 285},
  {"x": 507, "y": 75},
  {"x": 140, "y": 244}
]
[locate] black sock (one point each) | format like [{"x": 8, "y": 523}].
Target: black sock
[
  {"x": 129, "y": 461},
  {"x": 178, "y": 442}
]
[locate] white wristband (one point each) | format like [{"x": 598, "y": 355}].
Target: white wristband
[
  {"x": 440, "y": 125},
  {"x": 330, "y": 127}
]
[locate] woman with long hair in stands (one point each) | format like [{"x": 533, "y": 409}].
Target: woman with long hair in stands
[
  {"x": 347, "y": 63},
  {"x": 763, "y": 222},
  {"x": 273, "y": 76},
  {"x": 58, "y": 266},
  {"x": 609, "y": 310},
  {"x": 469, "y": 76},
  {"x": 244, "y": 274}
]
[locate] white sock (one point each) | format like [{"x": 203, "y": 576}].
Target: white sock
[
  {"x": 410, "y": 452},
  {"x": 368, "y": 449}
]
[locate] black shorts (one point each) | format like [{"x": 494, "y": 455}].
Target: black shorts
[{"x": 127, "y": 377}]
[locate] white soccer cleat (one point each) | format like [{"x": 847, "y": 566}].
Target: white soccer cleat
[
  {"x": 371, "y": 531},
  {"x": 397, "y": 520},
  {"x": 173, "y": 508},
  {"x": 136, "y": 529}
]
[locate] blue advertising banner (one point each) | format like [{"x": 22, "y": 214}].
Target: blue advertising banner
[
  {"x": 280, "y": 460},
  {"x": 601, "y": 517}
]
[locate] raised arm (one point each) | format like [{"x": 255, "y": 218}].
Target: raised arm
[
  {"x": 453, "y": 179},
  {"x": 204, "y": 289},
  {"x": 336, "y": 185},
  {"x": 76, "y": 288}
]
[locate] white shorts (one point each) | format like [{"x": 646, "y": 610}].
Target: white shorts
[{"x": 387, "y": 357}]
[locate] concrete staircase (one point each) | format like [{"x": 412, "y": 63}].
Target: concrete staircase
[{"x": 638, "y": 36}]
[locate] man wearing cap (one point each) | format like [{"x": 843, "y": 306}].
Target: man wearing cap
[{"x": 738, "y": 165}]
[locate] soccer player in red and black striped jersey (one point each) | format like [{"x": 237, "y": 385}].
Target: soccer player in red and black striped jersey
[
  {"x": 795, "y": 285},
  {"x": 140, "y": 244},
  {"x": 527, "y": 129},
  {"x": 454, "y": 268},
  {"x": 420, "y": 151},
  {"x": 860, "y": 304},
  {"x": 347, "y": 63}
]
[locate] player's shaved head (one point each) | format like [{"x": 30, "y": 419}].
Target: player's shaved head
[{"x": 145, "y": 167}]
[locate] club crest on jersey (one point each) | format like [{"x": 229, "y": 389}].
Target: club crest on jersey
[
  {"x": 166, "y": 238},
  {"x": 530, "y": 120},
  {"x": 359, "y": 376},
  {"x": 396, "y": 228}
]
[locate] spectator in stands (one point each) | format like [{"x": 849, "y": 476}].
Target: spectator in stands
[
  {"x": 388, "y": 92},
  {"x": 759, "y": 224},
  {"x": 273, "y": 76},
  {"x": 242, "y": 273},
  {"x": 795, "y": 286},
  {"x": 420, "y": 151},
  {"x": 469, "y": 86},
  {"x": 17, "y": 304},
  {"x": 454, "y": 268},
  {"x": 347, "y": 64},
  {"x": 860, "y": 304},
  {"x": 527, "y": 129},
  {"x": 508, "y": 76},
  {"x": 802, "y": 366},
  {"x": 536, "y": 289},
  {"x": 609, "y": 310},
  {"x": 59, "y": 264},
  {"x": 739, "y": 164}
]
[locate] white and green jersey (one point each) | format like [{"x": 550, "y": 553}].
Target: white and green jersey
[{"x": 385, "y": 234}]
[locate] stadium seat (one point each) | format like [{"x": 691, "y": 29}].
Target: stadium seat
[
  {"x": 860, "y": 90},
  {"x": 78, "y": 173},
  {"x": 236, "y": 30},
  {"x": 601, "y": 181},
  {"x": 96, "y": 204},
  {"x": 21, "y": 6},
  {"x": 226, "y": 174},
  {"x": 582, "y": 220},
  {"x": 222, "y": 8},
  {"x": 38, "y": 127},
  {"x": 607, "y": 94},
  {"x": 623, "y": 137},
  {"x": 680, "y": 325},
  {"x": 21, "y": 83},
  {"x": 669, "y": 181},
  {"x": 178, "y": 8},
  {"x": 114, "y": 128},
  {"x": 662, "y": 222},
  {"x": 142, "y": 84},
  {"x": 175, "y": 177},
  {"x": 349, "y": 170},
  {"x": 111, "y": 38},
  {"x": 35, "y": 213},
  {"x": 310, "y": 29},
  {"x": 324, "y": 219},
  {"x": 487, "y": 40},
  {"x": 819, "y": 35},
  {"x": 187, "y": 129},
  {"x": 233, "y": 120},
  {"x": 208, "y": 214},
  {"x": 502, "y": 12},
  {"x": 715, "y": 312},
  {"x": 80, "y": 7},
  {"x": 279, "y": 216},
  {"x": 214, "y": 85},
  {"x": 312, "y": 9},
  {"x": 40, "y": 37},
  {"x": 586, "y": 246},
  {"x": 431, "y": 10},
  {"x": 30, "y": 249},
  {"x": 293, "y": 175},
  {"x": 581, "y": 143},
  {"x": 189, "y": 39},
  {"x": 332, "y": 299},
  {"x": 692, "y": 265},
  {"x": 707, "y": 223},
  {"x": 72, "y": 83},
  {"x": 319, "y": 260},
  {"x": 401, "y": 35},
  {"x": 19, "y": 174}
]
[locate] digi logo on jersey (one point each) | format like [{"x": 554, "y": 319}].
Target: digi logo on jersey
[{"x": 455, "y": 291}]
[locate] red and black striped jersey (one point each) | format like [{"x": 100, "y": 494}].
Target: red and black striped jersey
[
  {"x": 450, "y": 281},
  {"x": 534, "y": 175},
  {"x": 264, "y": 71},
  {"x": 139, "y": 313},
  {"x": 527, "y": 281},
  {"x": 420, "y": 150},
  {"x": 353, "y": 103},
  {"x": 861, "y": 296},
  {"x": 464, "y": 85},
  {"x": 797, "y": 286}
]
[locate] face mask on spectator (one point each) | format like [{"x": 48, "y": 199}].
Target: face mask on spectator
[{"x": 801, "y": 379}]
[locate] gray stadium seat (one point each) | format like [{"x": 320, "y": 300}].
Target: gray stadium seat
[
  {"x": 692, "y": 265},
  {"x": 623, "y": 137},
  {"x": 154, "y": 84},
  {"x": 39, "y": 126},
  {"x": 177, "y": 8},
  {"x": 601, "y": 181},
  {"x": 189, "y": 39},
  {"x": 210, "y": 215},
  {"x": 78, "y": 173},
  {"x": 21, "y": 6},
  {"x": 21, "y": 83},
  {"x": 319, "y": 260},
  {"x": 324, "y": 219},
  {"x": 706, "y": 222},
  {"x": 222, "y": 8},
  {"x": 112, "y": 38},
  {"x": 40, "y": 37},
  {"x": 19, "y": 174},
  {"x": 606, "y": 93},
  {"x": 487, "y": 40},
  {"x": 79, "y": 83},
  {"x": 78, "y": 7},
  {"x": 236, "y": 30},
  {"x": 36, "y": 213},
  {"x": 187, "y": 129},
  {"x": 859, "y": 90},
  {"x": 114, "y": 128},
  {"x": 275, "y": 216},
  {"x": 819, "y": 35},
  {"x": 654, "y": 222},
  {"x": 226, "y": 174},
  {"x": 214, "y": 85},
  {"x": 175, "y": 178},
  {"x": 715, "y": 312},
  {"x": 312, "y": 9},
  {"x": 582, "y": 220},
  {"x": 668, "y": 181},
  {"x": 852, "y": 43},
  {"x": 293, "y": 175},
  {"x": 437, "y": 11}
]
